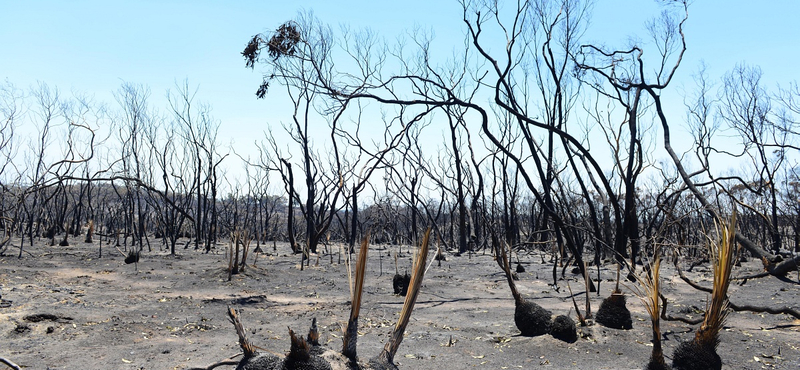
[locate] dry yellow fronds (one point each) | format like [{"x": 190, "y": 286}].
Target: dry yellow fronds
[
  {"x": 418, "y": 271},
  {"x": 350, "y": 335},
  {"x": 651, "y": 288},
  {"x": 649, "y": 294},
  {"x": 361, "y": 267},
  {"x": 722, "y": 251},
  {"x": 390, "y": 349}
]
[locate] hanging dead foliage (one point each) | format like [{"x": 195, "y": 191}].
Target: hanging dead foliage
[{"x": 284, "y": 41}]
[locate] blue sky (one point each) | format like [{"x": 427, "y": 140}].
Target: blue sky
[{"x": 94, "y": 46}]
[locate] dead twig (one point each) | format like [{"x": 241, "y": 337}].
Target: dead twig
[
  {"x": 581, "y": 319},
  {"x": 230, "y": 361},
  {"x": 9, "y": 363},
  {"x": 587, "y": 280}
]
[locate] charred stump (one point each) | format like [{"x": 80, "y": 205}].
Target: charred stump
[
  {"x": 691, "y": 355},
  {"x": 132, "y": 257},
  {"x": 613, "y": 313},
  {"x": 531, "y": 319},
  {"x": 563, "y": 328},
  {"x": 89, "y": 232}
]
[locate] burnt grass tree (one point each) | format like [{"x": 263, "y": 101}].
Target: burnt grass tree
[
  {"x": 307, "y": 354},
  {"x": 400, "y": 282},
  {"x": 530, "y": 318},
  {"x": 563, "y": 328},
  {"x": 701, "y": 352},
  {"x": 613, "y": 312},
  {"x": 650, "y": 294}
]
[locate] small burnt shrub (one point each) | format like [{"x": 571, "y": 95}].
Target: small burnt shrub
[
  {"x": 563, "y": 328},
  {"x": 693, "y": 356},
  {"x": 531, "y": 319},
  {"x": 50, "y": 233},
  {"x": 400, "y": 284},
  {"x": 132, "y": 257},
  {"x": 22, "y": 329},
  {"x": 613, "y": 313},
  {"x": 301, "y": 357}
]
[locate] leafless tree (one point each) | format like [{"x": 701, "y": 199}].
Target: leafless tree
[
  {"x": 747, "y": 108},
  {"x": 200, "y": 130},
  {"x": 11, "y": 100},
  {"x": 773, "y": 265},
  {"x": 171, "y": 171}
]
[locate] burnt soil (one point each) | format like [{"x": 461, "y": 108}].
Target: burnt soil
[{"x": 67, "y": 308}]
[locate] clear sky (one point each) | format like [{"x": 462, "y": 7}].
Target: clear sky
[{"x": 92, "y": 46}]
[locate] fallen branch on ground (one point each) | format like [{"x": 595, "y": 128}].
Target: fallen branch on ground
[
  {"x": 9, "y": 363},
  {"x": 738, "y": 308},
  {"x": 675, "y": 318},
  {"x": 753, "y": 276}
]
